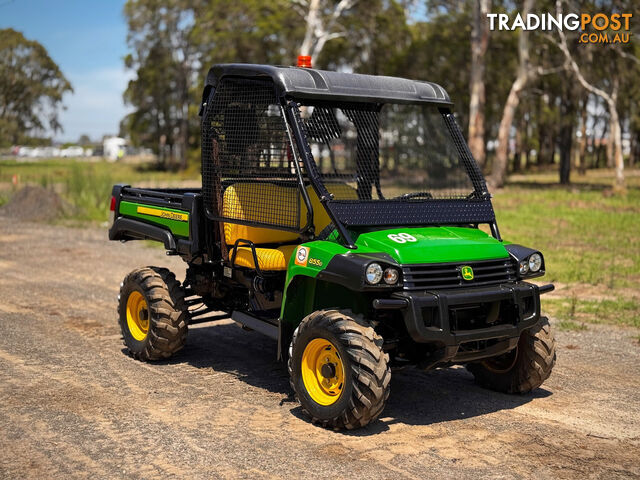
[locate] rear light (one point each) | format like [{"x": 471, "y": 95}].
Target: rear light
[
  {"x": 304, "y": 61},
  {"x": 112, "y": 210}
]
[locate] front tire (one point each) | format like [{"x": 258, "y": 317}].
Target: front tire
[
  {"x": 152, "y": 313},
  {"x": 523, "y": 369},
  {"x": 338, "y": 370}
]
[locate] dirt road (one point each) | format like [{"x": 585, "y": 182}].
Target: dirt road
[{"x": 74, "y": 405}]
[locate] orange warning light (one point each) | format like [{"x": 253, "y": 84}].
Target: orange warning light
[{"x": 304, "y": 61}]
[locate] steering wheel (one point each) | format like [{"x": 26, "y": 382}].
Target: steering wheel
[
  {"x": 408, "y": 196},
  {"x": 475, "y": 196}
]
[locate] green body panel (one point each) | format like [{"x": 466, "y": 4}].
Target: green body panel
[
  {"x": 303, "y": 294},
  {"x": 177, "y": 227},
  {"x": 320, "y": 253},
  {"x": 435, "y": 244},
  {"x": 302, "y": 291}
]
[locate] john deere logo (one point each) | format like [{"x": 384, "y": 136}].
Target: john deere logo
[{"x": 467, "y": 272}]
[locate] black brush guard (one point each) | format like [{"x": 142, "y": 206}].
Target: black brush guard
[{"x": 468, "y": 323}]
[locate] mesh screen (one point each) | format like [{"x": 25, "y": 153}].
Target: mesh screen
[
  {"x": 390, "y": 151},
  {"x": 248, "y": 168}
]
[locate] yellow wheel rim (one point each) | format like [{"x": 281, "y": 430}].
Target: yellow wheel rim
[
  {"x": 322, "y": 371},
  {"x": 137, "y": 316}
]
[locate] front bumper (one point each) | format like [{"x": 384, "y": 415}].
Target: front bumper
[{"x": 469, "y": 323}]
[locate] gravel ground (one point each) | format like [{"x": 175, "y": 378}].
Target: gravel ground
[{"x": 74, "y": 405}]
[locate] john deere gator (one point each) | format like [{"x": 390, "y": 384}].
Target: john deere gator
[{"x": 343, "y": 216}]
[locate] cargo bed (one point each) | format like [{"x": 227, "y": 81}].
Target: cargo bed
[{"x": 168, "y": 215}]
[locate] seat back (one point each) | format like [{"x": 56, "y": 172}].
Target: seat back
[
  {"x": 341, "y": 191},
  {"x": 245, "y": 201}
]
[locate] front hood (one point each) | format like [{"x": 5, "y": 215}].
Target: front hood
[{"x": 433, "y": 244}]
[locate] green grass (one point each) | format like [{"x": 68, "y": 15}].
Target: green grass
[
  {"x": 586, "y": 235},
  {"x": 590, "y": 240},
  {"x": 618, "y": 311},
  {"x": 88, "y": 189},
  {"x": 569, "y": 326},
  {"x": 57, "y": 170},
  {"x": 85, "y": 185}
]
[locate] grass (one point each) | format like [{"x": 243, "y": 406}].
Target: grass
[
  {"x": 85, "y": 184},
  {"x": 620, "y": 310},
  {"x": 590, "y": 238},
  {"x": 88, "y": 189},
  {"x": 56, "y": 170},
  {"x": 586, "y": 235},
  {"x": 569, "y": 326}
]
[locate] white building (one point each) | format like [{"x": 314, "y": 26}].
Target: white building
[{"x": 113, "y": 148}]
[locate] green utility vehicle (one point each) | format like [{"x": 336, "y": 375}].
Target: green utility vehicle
[{"x": 340, "y": 215}]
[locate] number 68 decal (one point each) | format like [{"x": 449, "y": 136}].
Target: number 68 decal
[{"x": 402, "y": 237}]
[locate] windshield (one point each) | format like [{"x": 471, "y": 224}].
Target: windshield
[{"x": 379, "y": 152}]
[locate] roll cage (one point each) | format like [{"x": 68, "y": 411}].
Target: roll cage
[{"x": 288, "y": 137}]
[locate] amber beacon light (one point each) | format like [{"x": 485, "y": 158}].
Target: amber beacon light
[{"x": 304, "y": 61}]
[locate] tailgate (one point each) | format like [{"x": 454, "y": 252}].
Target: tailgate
[{"x": 171, "y": 216}]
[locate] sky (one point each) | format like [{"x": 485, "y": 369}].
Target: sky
[{"x": 87, "y": 39}]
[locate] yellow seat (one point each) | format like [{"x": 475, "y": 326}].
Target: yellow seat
[
  {"x": 245, "y": 201},
  {"x": 270, "y": 259},
  {"x": 340, "y": 191}
]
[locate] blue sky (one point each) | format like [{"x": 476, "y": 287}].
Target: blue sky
[{"x": 87, "y": 39}]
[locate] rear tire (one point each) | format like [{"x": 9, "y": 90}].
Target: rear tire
[
  {"x": 355, "y": 385},
  {"x": 523, "y": 369},
  {"x": 152, "y": 313}
]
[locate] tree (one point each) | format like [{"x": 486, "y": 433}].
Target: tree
[
  {"x": 439, "y": 52},
  {"x": 246, "y": 31},
  {"x": 164, "y": 58},
  {"x": 322, "y": 23},
  {"x": 174, "y": 43},
  {"x": 525, "y": 73},
  {"x": 610, "y": 96},
  {"x": 31, "y": 88},
  {"x": 375, "y": 39},
  {"x": 479, "y": 45},
  {"x": 567, "y": 122}
]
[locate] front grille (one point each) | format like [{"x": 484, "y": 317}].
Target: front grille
[{"x": 448, "y": 275}]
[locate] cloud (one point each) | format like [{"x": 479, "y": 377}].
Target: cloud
[{"x": 96, "y": 106}]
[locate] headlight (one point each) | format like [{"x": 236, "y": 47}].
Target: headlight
[
  {"x": 391, "y": 276},
  {"x": 523, "y": 267},
  {"x": 535, "y": 262},
  {"x": 374, "y": 273}
]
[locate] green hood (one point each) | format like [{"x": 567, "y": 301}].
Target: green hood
[{"x": 433, "y": 244}]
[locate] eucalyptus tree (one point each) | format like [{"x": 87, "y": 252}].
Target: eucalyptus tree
[{"x": 31, "y": 88}]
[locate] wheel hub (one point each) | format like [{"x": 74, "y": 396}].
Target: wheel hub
[
  {"x": 328, "y": 370},
  {"x": 137, "y": 316},
  {"x": 322, "y": 371}
]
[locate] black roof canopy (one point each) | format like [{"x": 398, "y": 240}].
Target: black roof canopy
[{"x": 309, "y": 83}]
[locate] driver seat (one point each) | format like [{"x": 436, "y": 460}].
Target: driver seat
[
  {"x": 239, "y": 202},
  {"x": 245, "y": 201}
]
